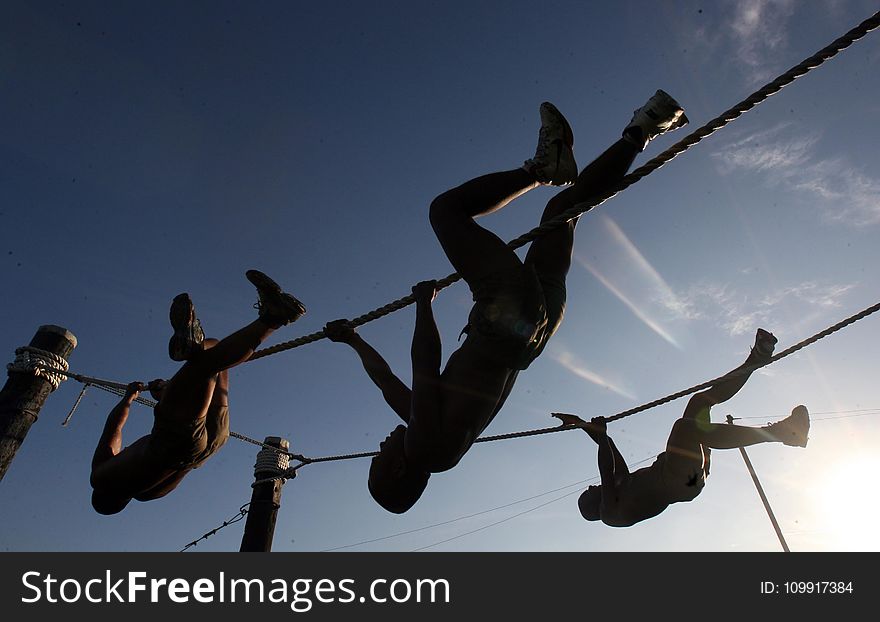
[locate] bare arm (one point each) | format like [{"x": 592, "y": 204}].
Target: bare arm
[
  {"x": 612, "y": 466},
  {"x": 395, "y": 392},
  {"x": 110, "y": 443},
  {"x": 427, "y": 395}
]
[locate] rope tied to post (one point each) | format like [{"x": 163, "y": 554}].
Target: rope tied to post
[
  {"x": 273, "y": 465},
  {"x": 42, "y": 363}
]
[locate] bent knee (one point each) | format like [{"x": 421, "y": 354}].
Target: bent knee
[
  {"x": 684, "y": 423},
  {"x": 685, "y": 433},
  {"x": 444, "y": 208}
]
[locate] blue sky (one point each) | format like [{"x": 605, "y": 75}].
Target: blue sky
[{"x": 153, "y": 148}]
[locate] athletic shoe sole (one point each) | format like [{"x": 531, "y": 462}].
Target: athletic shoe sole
[
  {"x": 188, "y": 334},
  {"x": 289, "y": 308}
]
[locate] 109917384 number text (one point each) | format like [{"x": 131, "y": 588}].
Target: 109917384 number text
[{"x": 807, "y": 587}]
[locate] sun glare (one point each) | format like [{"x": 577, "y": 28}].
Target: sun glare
[{"x": 850, "y": 504}]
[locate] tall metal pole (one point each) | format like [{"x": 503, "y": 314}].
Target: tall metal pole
[
  {"x": 761, "y": 493},
  {"x": 270, "y": 472},
  {"x": 28, "y": 386}
]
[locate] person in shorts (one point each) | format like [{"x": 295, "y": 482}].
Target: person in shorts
[
  {"x": 624, "y": 498},
  {"x": 518, "y": 304},
  {"x": 191, "y": 417}
]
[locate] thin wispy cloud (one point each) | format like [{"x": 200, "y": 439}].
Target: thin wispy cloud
[
  {"x": 767, "y": 151},
  {"x": 637, "y": 311},
  {"x": 758, "y": 32},
  {"x": 851, "y": 195},
  {"x": 577, "y": 367},
  {"x": 788, "y": 156},
  {"x": 635, "y": 256},
  {"x": 747, "y": 37},
  {"x": 641, "y": 288},
  {"x": 739, "y": 313},
  {"x": 638, "y": 266}
]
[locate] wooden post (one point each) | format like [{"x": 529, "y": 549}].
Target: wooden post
[
  {"x": 259, "y": 528},
  {"x": 24, "y": 393}
]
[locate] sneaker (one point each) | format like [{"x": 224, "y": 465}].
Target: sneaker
[
  {"x": 554, "y": 162},
  {"x": 764, "y": 343},
  {"x": 188, "y": 334},
  {"x": 793, "y": 429},
  {"x": 660, "y": 115},
  {"x": 275, "y": 307}
]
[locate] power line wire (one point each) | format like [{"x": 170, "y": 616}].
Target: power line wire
[
  {"x": 454, "y": 520},
  {"x": 842, "y": 416}
]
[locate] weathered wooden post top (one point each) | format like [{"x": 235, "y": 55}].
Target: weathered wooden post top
[{"x": 32, "y": 376}]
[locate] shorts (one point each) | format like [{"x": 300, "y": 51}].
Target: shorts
[
  {"x": 187, "y": 446},
  {"x": 683, "y": 478},
  {"x": 514, "y": 315}
]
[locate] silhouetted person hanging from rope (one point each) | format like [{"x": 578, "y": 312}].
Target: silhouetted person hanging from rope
[
  {"x": 191, "y": 418},
  {"x": 679, "y": 473},
  {"x": 518, "y": 304}
]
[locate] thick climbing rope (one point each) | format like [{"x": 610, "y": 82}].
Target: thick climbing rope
[
  {"x": 114, "y": 387},
  {"x": 663, "y": 400},
  {"x": 771, "y": 88},
  {"x": 110, "y": 386},
  {"x": 254, "y": 441},
  {"x": 119, "y": 388},
  {"x": 705, "y": 385},
  {"x": 39, "y": 364}
]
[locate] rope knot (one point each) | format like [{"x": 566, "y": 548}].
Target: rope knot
[
  {"x": 42, "y": 363},
  {"x": 271, "y": 462}
]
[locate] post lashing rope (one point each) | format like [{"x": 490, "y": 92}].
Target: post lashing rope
[
  {"x": 771, "y": 88},
  {"x": 273, "y": 466},
  {"x": 42, "y": 363},
  {"x": 254, "y": 441}
]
